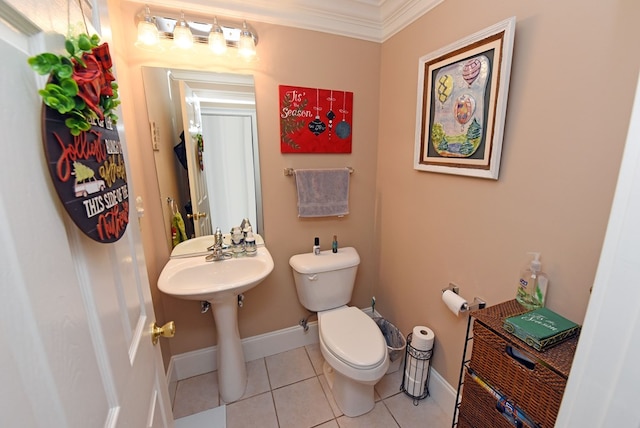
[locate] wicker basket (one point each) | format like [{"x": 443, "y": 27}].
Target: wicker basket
[
  {"x": 479, "y": 408},
  {"x": 558, "y": 358},
  {"x": 463, "y": 423},
  {"x": 538, "y": 390}
]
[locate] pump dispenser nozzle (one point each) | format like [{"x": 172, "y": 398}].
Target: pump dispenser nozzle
[{"x": 536, "y": 264}]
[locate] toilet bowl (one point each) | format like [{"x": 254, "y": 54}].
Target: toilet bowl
[
  {"x": 355, "y": 355},
  {"x": 351, "y": 343}
]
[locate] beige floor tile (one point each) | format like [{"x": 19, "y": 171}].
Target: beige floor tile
[
  {"x": 257, "y": 411},
  {"x": 389, "y": 385},
  {"x": 196, "y": 394},
  {"x": 306, "y": 403},
  {"x": 426, "y": 414},
  {"x": 257, "y": 379},
  {"x": 331, "y": 424},
  {"x": 315, "y": 355},
  {"x": 289, "y": 367},
  {"x": 302, "y": 404},
  {"x": 327, "y": 392},
  {"x": 379, "y": 417}
]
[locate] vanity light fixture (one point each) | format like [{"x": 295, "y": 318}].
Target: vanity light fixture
[
  {"x": 164, "y": 29},
  {"x": 217, "y": 42},
  {"x": 246, "y": 44},
  {"x": 182, "y": 36},
  {"x": 147, "y": 31}
]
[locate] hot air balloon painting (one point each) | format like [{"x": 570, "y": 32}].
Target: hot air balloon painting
[
  {"x": 459, "y": 89},
  {"x": 464, "y": 108},
  {"x": 445, "y": 86},
  {"x": 471, "y": 70},
  {"x": 462, "y": 96}
]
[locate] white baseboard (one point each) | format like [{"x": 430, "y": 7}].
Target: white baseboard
[{"x": 205, "y": 360}]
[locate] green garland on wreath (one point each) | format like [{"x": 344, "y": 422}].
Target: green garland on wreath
[{"x": 81, "y": 84}]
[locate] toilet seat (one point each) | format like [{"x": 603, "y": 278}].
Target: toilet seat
[{"x": 352, "y": 337}]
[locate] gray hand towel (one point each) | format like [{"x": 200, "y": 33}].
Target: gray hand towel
[{"x": 322, "y": 192}]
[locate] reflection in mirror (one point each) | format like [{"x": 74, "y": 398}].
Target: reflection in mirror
[{"x": 204, "y": 137}]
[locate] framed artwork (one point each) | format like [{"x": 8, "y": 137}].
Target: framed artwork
[
  {"x": 315, "y": 120},
  {"x": 462, "y": 102}
]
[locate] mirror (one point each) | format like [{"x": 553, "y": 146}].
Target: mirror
[{"x": 204, "y": 136}]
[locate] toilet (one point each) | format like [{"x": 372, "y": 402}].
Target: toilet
[{"x": 353, "y": 347}]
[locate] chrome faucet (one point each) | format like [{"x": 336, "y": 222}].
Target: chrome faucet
[{"x": 217, "y": 249}]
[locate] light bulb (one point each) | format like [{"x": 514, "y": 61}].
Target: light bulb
[
  {"x": 246, "y": 44},
  {"x": 147, "y": 30},
  {"x": 217, "y": 42},
  {"x": 182, "y": 36}
]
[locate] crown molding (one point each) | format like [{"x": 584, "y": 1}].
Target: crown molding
[
  {"x": 397, "y": 14},
  {"x": 372, "y": 20}
]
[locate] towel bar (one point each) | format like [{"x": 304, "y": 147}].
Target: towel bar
[{"x": 290, "y": 171}]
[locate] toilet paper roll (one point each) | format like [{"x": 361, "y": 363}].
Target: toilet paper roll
[
  {"x": 415, "y": 366},
  {"x": 422, "y": 338},
  {"x": 414, "y": 381},
  {"x": 415, "y": 387},
  {"x": 453, "y": 301}
]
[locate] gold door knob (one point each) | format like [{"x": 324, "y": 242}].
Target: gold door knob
[
  {"x": 197, "y": 216},
  {"x": 167, "y": 330}
]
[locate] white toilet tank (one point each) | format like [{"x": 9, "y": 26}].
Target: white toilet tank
[{"x": 325, "y": 281}]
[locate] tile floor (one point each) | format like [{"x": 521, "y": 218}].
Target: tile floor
[{"x": 289, "y": 390}]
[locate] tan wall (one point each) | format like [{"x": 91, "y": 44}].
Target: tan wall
[
  {"x": 572, "y": 81},
  {"x": 574, "y": 67},
  {"x": 287, "y": 56}
]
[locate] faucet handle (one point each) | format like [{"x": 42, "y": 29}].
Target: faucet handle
[{"x": 217, "y": 238}]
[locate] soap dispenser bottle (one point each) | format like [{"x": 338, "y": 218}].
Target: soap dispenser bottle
[
  {"x": 532, "y": 286},
  {"x": 250, "y": 243}
]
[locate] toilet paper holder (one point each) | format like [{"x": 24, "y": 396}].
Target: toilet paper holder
[{"x": 478, "y": 303}]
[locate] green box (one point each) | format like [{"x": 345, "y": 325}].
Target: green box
[{"x": 541, "y": 328}]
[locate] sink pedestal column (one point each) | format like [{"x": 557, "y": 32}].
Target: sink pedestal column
[{"x": 232, "y": 370}]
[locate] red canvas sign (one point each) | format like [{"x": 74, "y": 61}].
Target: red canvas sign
[{"x": 315, "y": 120}]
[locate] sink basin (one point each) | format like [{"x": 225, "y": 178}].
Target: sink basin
[
  {"x": 219, "y": 282},
  {"x": 194, "y": 278}
]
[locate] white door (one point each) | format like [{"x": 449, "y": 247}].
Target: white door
[
  {"x": 192, "y": 123},
  {"x": 602, "y": 390},
  {"x": 75, "y": 314}
]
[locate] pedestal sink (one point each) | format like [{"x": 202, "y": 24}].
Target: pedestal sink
[{"x": 220, "y": 283}]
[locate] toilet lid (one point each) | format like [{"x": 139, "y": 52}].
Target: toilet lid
[{"x": 353, "y": 337}]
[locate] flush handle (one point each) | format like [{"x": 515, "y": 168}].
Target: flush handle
[
  {"x": 313, "y": 277},
  {"x": 167, "y": 330}
]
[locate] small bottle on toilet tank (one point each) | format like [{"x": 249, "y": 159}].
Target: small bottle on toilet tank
[{"x": 316, "y": 246}]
